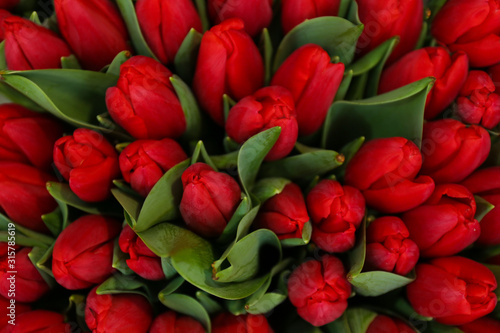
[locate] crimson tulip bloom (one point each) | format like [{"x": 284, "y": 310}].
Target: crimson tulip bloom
[
  {"x": 143, "y": 162},
  {"x": 452, "y": 151},
  {"x": 385, "y": 324},
  {"x": 172, "y": 322},
  {"x": 99, "y": 35},
  {"x": 385, "y": 170},
  {"x": 228, "y": 63},
  {"x": 453, "y": 290},
  {"x": 450, "y": 73},
  {"x": 266, "y": 108},
  {"x": 3, "y": 15},
  {"x": 228, "y": 323},
  {"x": 336, "y": 212},
  {"x": 39, "y": 321},
  {"x": 165, "y": 24},
  {"x": 481, "y": 325},
  {"x": 209, "y": 199},
  {"x": 313, "y": 81},
  {"x": 294, "y": 12},
  {"x": 83, "y": 252},
  {"x": 89, "y": 162}
]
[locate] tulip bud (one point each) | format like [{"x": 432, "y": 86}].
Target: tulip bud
[
  {"x": 89, "y": 162},
  {"x": 172, "y": 322},
  {"x": 285, "y": 213},
  {"x": 142, "y": 260},
  {"x": 165, "y": 24},
  {"x": 481, "y": 325},
  {"x": 451, "y": 151},
  {"x": 313, "y": 81},
  {"x": 453, "y": 290},
  {"x": 3, "y": 15},
  {"x": 229, "y": 323},
  {"x": 8, "y": 4},
  {"x": 117, "y": 313},
  {"x": 93, "y": 29},
  {"x": 256, "y": 14},
  {"x": 83, "y": 252},
  {"x": 319, "y": 290},
  {"x": 388, "y": 246},
  {"x": 384, "y": 170},
  {"x": 266, "y": 108},
  {"x": 209, "y": 199},
  {"x": 23, "y": 194},
  {"x": 40, "y": 321},
  {"x": 385, "y": 324},
  {"x": 228, "y": 63},
  {"x": 143, "y": 162},
  {"x": 144, "y": 101},
  {"x": 294, "y": 12},
  {"x": 450, "y": 73},
  {"x": 336, "y": 212}
]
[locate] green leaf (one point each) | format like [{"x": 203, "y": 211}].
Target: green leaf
[
  {"x": 267, "y": 188},
  {"x": 306, "y": 237},
  {"x": 483, "y": 207},
  {"x": 357, "y": 87},
  {"x": 354, "y": 320},
  {"x": 188, "y": 306},
  {"x": 353, "y": 13},
  {"x": 124, "y": 187},
  {"x": 227, "y": 104},
  {"x": 190, "y": 108},
  {"x": 172, "y": 286},
  {"x": 344, "y": 85},
  {"x": 187, "y": 55},
  {"x": 70, "y": 62},
  {"x": 40, "y": 257},
  {"x": 114, "y": 67},
  {"x": 76, "y": 311},
  {"x": 202, "y": 11},
  {"x": 3, "y": 61},
  {"x": 34, "y": 18},
  {"x": 344, "y": 7},
  {"x": 268, "y": 302},
  {"x": 199, "y": 149},
  {"x": 434, "y": 7},
  {"x": 123, "y": 284},
  {"x": 373, "y": 58},
  {"x": 54, "y": 221},
  {"x": 120, "y": 260},
  {"x": 266, "y": 49},
  {"x": 232, "y": 226},
  {"x": 375, "y": 73},
  {"x": 208, "y": 303},
  {"x": 130, "y": 204},
  {"x": 348, "y": 151},
  {"x": 8, "y": 225},
  {"x": 168, "y": 269}
]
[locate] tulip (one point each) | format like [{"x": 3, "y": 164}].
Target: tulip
[
  {"x": 93, "y": 29},
  {"x": 481, "y": 325},
  {"x": 266, "y": 108},
  {"x": 285, "y": 213},
  {"x": 452, "y": 151},
  {"x": 144, "y": 101},
  {"x": 256, "y": 14},
  {"x": 385, "y": 170},
  {"x": 83, "y": 252},
  {"x": 27, "y": 136},
  {"x": 23, "y": 194},
  {"x": 336, "y": 212},
  {"x": 143, "y": 162},
  {"x": 89, "y": 162},
  {"x": 3, "y": 15},
  {"x": 29, "y": 284},
  {"x": 444, "y": 225},
  {"x": 39, "y": 321},
  {"x": 209, "y": 199},
  {"x": 452, "y": 290},
  {"x": 31, "y": 46},
  {"x": 385, "y": 324},
  {"x": 8, "y": 4},
  {"x": 117, "y": 313},
  {"x": 142, "y": 260},
  {"x": 172, "y": 322},
  {"x": 228, "y": 63},
  {"x": 494, "y": 72},
  {"x": 386, "y": 19},
  {"x": 388, "y": 246},
  {"x": 229, "y": 323},
  {"x": 313, "y": 81},
  {"x": 15, "y": 309},
  {"x": 450, "y": 73},
  {"x": 471, "y": 26},
  {"x": 294, "y": 12},
  {"x": 165, "y": 24},
  {"x": 319, "y": 290}
]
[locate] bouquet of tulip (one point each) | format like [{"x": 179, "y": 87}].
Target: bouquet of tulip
[{"x": 249, "y": 166}]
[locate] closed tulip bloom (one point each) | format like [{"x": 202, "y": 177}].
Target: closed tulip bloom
[
  {"x": 39, "y": 321},
  {"x": 385, "y": 324},
  {"x": 209, "y": 199},
  {"x": 389, "y": 246},
  {"x": 319, "y": 290},
  {"x": 266, "y": 108},
  {"x": 89, "y": 162},
  {"x": 336, "y": 212},
  {"x": 248, "y": 323},
  {"x": 99, "y": 35},
  {"x": 83, "y": 252},
  {"x": 450, "y": 73},
  {"x": 165, "y": 24},
  {"x": 143, "y": 162},
  {"x": 228, "y": 63},
  {"x": 453, "y": 290},
  {"x": 452, "y": 151},
  {"x": 294, "y": 12},
  {"x": 144, "y": 101},
  {"x": 173, "y": 322},
  {"x": 313, "y": 81},
  {"x": 481, "y": 325},
  {"x": 3, "y": 15},
  {"x": 385, "y": 170}
]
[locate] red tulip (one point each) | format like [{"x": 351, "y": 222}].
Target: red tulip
[
  {"x": 3, "y": 15},
  {"x": 172, "y": 322},
  {"x": 11, "y": 309},
  {"x": 8, "y": 4},
  {"x": 450, "y": 73},
  {"x": 313, "y": 81},
  {"x": 89, "y": 162},
  {"x": 494, "y": 72},
  {"x": 209, "y": 199},
  {"x": 481, "y": 325},
  {"x": 39, "y": 321},
  {"x": 165, "y": 24},
  {"x": 451, "y": 151},
  {"x": 266, "y": 108},
  {"x": 229, "y": 323},
  {"x": 93, "y": 29},
  {"x": 385, "y": 170},
  {"x": 144, "y": 101},
  {"x": 228, "y": 63},
  {"x": 83, "y": 252},
  {"x": 336, "y": 212},
  {"x": 385, "y": 324},
  {"x": 453, "y": 290},
  {"x": 294, "y": 12},
  {"x": 143, "y": 162}
]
